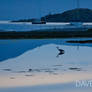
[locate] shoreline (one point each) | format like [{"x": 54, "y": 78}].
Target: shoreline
[{"x": 45, "y": 34}]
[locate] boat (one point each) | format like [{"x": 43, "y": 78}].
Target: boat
[
  {"x": 38, "y": 21},
  {"x": 78, "y": 23}
]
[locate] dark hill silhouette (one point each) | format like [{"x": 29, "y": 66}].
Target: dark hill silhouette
[{"x": 75, "y": 15}]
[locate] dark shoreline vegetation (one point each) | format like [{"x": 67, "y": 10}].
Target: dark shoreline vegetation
[
  {"x": 82, "y": 42},
  {"x": 45, "y": 34}
]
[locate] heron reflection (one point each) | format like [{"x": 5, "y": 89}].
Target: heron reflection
[{"x": 61, "y": 51}]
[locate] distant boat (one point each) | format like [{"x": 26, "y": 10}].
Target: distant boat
[
  {"x": 78, "y": 23},
  {"x": 38, "y": 21}
]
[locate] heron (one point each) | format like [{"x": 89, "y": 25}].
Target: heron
[{"x": 61, "y": 51}]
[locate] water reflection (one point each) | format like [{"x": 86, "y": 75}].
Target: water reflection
[
  {"x": 41, "y": 54},
  {"x": 14, "y": 48}
]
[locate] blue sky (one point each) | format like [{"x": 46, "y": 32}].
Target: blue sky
[{"x": 20, "y": 9}]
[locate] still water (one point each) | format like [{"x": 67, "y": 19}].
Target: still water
[
  {"x": 29, "y": 26},
  {"x": 25, "y": 63}
]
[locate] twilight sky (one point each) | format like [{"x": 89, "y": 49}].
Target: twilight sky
[{"x": 20, "y": 9}]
